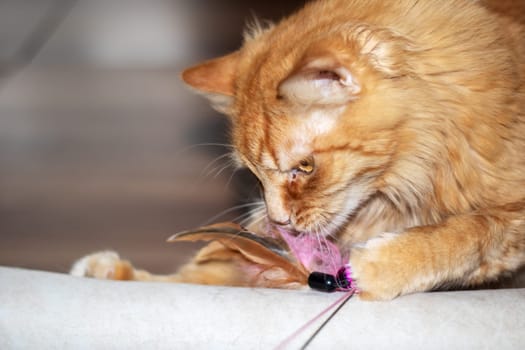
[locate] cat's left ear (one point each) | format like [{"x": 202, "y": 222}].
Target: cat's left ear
[
  {"x": 215, "y": 79},
  {"x": 320, "y": 80}
]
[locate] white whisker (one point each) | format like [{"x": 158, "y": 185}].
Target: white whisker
[
  {"x": 246, "y": 217},
  {"x": 229, "y": 210},
  {"x": 256, "y": 221},
  {"x": 234, "y": 172},
  {"x": 209, "y": 144},
  {"x": 228, "y": 165},
  {"x": 255, "y": 212},
  {"x": 206, "y": 170}
]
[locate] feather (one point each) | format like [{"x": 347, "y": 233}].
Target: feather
[{"x": 269, "y": 261}]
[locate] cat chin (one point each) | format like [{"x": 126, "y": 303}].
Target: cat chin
[{"x": 331, "y": 229}]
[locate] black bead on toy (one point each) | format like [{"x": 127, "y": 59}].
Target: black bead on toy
[
  {"x": 329, "y": 283},
  {"x": 322, "y": 281}
]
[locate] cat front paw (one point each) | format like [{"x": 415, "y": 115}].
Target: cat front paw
[
  {"x": 379, "y": 268},
  {"x": 103, "y": 265}
]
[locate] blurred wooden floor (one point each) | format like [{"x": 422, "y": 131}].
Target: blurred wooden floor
[{"x": 96, "y": 134}]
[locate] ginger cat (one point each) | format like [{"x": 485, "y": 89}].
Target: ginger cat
[{"x": 394, "y": 128}]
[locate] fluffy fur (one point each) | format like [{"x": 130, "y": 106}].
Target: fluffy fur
[{"x": 361, "y": 117}]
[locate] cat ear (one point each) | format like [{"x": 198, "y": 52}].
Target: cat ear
[
  {"x": 320, "y": 81},
  {"x": 215, "y": 79}
]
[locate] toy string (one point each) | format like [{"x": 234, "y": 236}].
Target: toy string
[{"x": 339, "y": 303}]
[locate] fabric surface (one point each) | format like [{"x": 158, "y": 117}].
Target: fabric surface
[{"x": 42, "y": 310}]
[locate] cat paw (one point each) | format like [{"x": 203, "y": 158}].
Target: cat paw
[
  {"x": 378, "y": 268},
  {"x": 103, "y": 265}
]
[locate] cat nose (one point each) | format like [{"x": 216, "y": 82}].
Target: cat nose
[{"x": 276, "y": 207}]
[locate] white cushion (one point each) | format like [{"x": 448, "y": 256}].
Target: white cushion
[{"x": 42, "y": 310}]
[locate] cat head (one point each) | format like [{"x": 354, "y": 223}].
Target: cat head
[
  {"x": 307, "y": 123},
  {"x": 328, "y": 114}
]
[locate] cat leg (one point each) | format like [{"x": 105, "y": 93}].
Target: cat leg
[
  {"x": 108, "y": 265},
  {"x": 214, "y": 264},
  {"x": 464, "y": 250}
]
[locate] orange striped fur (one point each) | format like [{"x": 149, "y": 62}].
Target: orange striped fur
[{"x": 394, "y": 127}]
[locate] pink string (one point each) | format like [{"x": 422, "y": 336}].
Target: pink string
[{"x": 301, "y": 329}]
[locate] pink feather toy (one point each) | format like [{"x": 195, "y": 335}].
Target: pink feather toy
[{"x": 305, "y": 258}]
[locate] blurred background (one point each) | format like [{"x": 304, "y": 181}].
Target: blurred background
[{"x": 98, "y": 134}]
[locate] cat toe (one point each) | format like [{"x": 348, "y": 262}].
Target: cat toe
[
  {"x": 102, "y": 265},
  {"x": 375, "y": 276}
]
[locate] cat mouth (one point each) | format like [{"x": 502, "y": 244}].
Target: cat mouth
[
  {"x": 314, "y": 252},
  {"x": 323, "y": 231}
]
